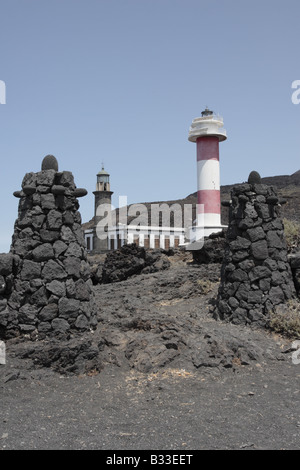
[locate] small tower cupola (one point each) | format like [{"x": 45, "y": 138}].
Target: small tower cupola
[{"x": 103, "y": 181}]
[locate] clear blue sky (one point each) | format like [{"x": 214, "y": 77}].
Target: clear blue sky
[{"x": 120, "y": 81}]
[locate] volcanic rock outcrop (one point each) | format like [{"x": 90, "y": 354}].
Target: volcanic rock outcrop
[
  {"x": 130, "y": 260},
  {"x": 256, "y": 275},
  {"x": 212, "y": 250},
  {"x": 45, "y": 279}
]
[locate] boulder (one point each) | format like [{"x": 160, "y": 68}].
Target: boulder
[{"x": 131, "y": 260}]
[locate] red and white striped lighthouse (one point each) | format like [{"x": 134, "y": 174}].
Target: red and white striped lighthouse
[{"x": 207, "y": 131}]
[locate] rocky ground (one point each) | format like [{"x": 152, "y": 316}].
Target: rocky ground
[{"x": 158, "y": 373}]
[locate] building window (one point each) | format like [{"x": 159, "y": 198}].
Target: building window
[
  {"x": 88, "y": 243},
  {"x": 112, "y": 243},
  {"x": 146, "y": 242},
  {"x": 156, "y": 241},
  {"x": 119, "y": 241},
  {"x": 167, "y": 243}
]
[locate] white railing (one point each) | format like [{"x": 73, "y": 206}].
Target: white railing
[{"x": 211, "y": 117}]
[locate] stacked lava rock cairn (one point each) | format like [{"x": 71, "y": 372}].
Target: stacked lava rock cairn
[
  {"x": 49, "y": 290},
  {"x": 256, "y": 275}
]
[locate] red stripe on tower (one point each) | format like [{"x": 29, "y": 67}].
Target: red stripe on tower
[
  {"x": 208, "y": 148},
  {"x": 208, "y": 201}
]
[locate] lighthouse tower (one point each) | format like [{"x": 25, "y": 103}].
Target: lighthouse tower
[
  {"x": 207, "y": 131},
  {"x": 102, "y": 210}
]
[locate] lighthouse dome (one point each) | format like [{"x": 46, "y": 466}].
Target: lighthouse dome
[{"x": 102, "y": 173}]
